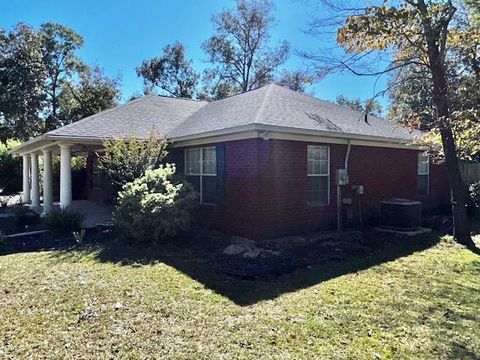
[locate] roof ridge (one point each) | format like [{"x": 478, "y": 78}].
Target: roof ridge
[
  {"x": 178, "y": 98},
  {"x": 238, "y": 94},
  {"x": 308, "y": 96},
  {"x": 264, "y": 100}
]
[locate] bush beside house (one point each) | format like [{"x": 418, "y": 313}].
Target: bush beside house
[
  {"x": 152, "y": 208},
  {"x": 125, "y": 159},
  {"x": 63, "y": 222}
]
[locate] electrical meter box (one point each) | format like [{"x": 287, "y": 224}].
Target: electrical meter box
[{"x": 341, "y": 177}]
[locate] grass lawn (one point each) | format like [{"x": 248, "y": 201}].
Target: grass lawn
[{"x": 409, "y": 302}]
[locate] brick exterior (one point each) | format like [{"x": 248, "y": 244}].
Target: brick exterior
[{"x": 266, "y": 187}]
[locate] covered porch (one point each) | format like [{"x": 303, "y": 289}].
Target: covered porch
[{"x": 38, "y": 177}]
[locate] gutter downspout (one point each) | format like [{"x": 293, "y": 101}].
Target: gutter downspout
[{"x": 339, "y": 190}]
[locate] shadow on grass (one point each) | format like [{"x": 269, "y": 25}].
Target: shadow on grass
[
  {"x": 460, "y": 351},
  {"x": 198, "y": 262}
]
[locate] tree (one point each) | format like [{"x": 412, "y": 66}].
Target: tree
[
  {"x": 22, "y": 76},
  {"x": 369, "y": 107},
  {"x": 239, "y": 48},
  {"x": 43, "y": 83},
  {"x": 93, "y": 93},
  {"x": 409, "y": 32},
  {"x": 60, "y": 61},
  {"x": 171, "y": 72},
  {"x": 297, "y": 80}
]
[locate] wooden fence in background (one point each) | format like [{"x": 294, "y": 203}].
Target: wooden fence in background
[{"x": 470, "y": 172}]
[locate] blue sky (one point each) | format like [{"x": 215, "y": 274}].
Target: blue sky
[{"x": 120, "y": 34}]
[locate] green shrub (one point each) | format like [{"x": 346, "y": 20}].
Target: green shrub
[
  {"x": 152, "y": 208},
  {"x": 63, "y": 222},
  {"x": 125, "y": 160},
  {"x": 20, "y": 213},
  {"x": 10, "y": 168}
]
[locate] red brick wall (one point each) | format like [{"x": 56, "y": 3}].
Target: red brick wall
[{"x": 266, "y": 186}]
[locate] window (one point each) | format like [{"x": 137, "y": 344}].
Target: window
[
  {"x": 201, "y": 172},
  {"x": 423, "y": 174},
  {"x": 318, "y": 174}
]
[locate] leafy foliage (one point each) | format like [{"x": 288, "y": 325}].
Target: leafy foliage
[
  {"x": 59, "y": 44},
  {"x": 94, "y": 92},
  {"x": 473, "y": 7},
  {"x": 172, "y": 72},
  {"x": 239, "y": 49},
  {"x": 125, "y": 160},
  {"x": 297, "y": 80},
  {"x": 10, "y": 168},
  {"x": 44, "y": 84},
  {"x": 152, "y": 208},
  {"x": 369, "y": 106},
  {"x": 22, "y": 76},
  {"x": 413, "y": 94},
  {"x": 63, "y": 222}
]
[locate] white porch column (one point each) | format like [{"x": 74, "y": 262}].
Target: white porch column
[
  {"x": 26, "y": 179},
  {"x": 65, "y": 176},
  {"x": 47, "y": 181},
  {"x": 35, "y": 194}
]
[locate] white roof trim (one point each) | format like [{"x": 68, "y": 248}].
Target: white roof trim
[
  {"x": 288, "y": 133},
  {"x": 236, "y": 133}
]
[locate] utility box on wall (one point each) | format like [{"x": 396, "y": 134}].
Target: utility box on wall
[{"x": 341, "y": 177}]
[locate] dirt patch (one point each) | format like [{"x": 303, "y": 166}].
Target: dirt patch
[{"x": 249, "y": 260}]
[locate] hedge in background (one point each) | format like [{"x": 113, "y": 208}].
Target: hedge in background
[{"x": 10, "y": 168}]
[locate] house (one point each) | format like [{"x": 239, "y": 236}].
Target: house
[{"x": 265, "y": 162}]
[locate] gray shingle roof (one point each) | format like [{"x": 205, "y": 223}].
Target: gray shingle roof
[
  {"x": 278, "y": 106},
  {"x": 138, "y": 116},
  {"x": 270, "y": 105}
]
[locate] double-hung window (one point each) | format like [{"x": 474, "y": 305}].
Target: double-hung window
[
  {"x": 201, "y": 172},
  {"x": 318, "y": 175},
  {"x": 423, "y": 174}
]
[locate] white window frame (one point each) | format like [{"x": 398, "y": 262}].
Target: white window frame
[
  {"x": 201, "y": 174},
  {"x": 424, "y": 156},
  {"x": 327, "y": 175}
]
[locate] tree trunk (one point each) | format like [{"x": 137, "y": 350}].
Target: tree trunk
[{"x": 461, "y": 224}]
